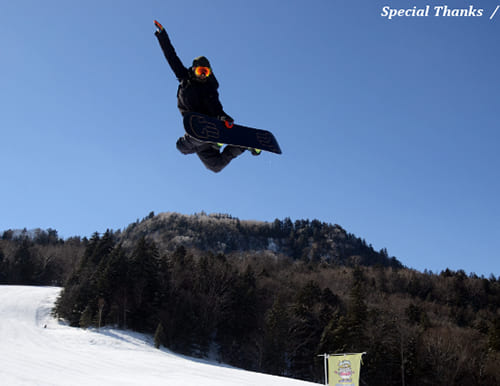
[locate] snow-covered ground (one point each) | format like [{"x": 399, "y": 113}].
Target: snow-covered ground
[{"x": 35, "y": 349}]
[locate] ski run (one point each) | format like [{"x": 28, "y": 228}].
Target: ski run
[{"x": 36, "y": 349}]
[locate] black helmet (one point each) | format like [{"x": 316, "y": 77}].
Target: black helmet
[{"x": 201, "y": 61}]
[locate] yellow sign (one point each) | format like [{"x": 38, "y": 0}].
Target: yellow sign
[{"x": 343, "y": 370}]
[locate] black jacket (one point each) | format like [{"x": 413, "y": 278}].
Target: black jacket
[{"x": 192, "y": 95}]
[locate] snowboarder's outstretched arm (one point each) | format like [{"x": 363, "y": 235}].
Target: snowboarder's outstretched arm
[{"x": 180, "y": 71}]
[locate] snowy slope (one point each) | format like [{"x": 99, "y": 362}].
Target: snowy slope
[{"x": 35, "y": 349}]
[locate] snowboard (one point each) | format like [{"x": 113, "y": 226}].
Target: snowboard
[{"x": 209, "y": 129}]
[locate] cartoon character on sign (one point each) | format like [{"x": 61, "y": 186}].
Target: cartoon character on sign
[{"x": 345, "y": 371}]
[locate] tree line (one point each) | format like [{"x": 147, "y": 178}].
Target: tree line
[{"x": 38, "y": 257}]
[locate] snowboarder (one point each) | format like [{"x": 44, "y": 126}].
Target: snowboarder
[{"x": 197, "y": 92}]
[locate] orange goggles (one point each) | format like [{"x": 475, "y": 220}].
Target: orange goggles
[{"x": 199, "y": 71}]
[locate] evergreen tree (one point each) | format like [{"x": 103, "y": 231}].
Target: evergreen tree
[
  {"x": 305, "y": 332},
  {"x": 114, "y": 286},
  {"x": 334, "y": 338},
  {"x": 4, "y": 268},
  {"x": 24, "y": 266},
  {"x": 275, "y": 339},
  {"x": 357, "y": 311},
  {"x": 143, "y": 270},
  {"x": 81, "y": 292},
  {"x": 87, "y": 317},
  {"x": 494, "y": 335},
  {"x": 8, "y": 235}
]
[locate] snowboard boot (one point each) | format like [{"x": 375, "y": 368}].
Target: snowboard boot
[
  {"x": 188, "y": 145},
  {"x": 255, "y": 152}
]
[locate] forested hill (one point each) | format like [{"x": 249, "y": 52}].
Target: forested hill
[
  {"x": 269, "y": 297},
  {"x": 221, "y": 233}
]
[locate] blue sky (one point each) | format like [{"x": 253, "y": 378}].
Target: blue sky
[{"x": 388, "y": 128}]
